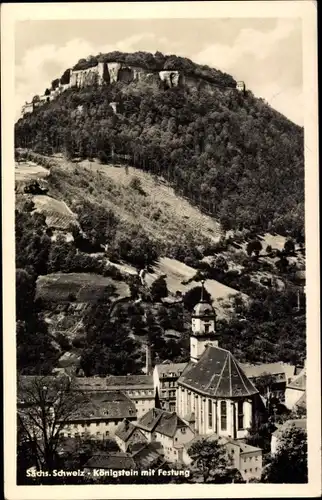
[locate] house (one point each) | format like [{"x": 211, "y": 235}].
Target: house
[
  {"x": 295, "y": 392},
  {"x": 245, "y": 458},
  {"x": 105, "y": 463},
  {"x": 139, "y": 388},
  {"x": 299, "y": 423},
  {"x": 147, "y": 455},
  {"x": 99, "y": 415},
  {"x": 277, "y": 376},
  {"x": 127, "y": 434},
  {"x": 165, "y": 380},
  {"x": 168, "y": 429}
]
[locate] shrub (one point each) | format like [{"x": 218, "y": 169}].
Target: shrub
[{"x": 159, "y": 289}]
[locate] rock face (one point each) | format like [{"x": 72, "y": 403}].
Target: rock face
[
  {"x": 172, "y": 78},
  {"x": 113, "y": 69},
  {"x": 112, "y": 72},
  {"x": 89, "y": 76}
]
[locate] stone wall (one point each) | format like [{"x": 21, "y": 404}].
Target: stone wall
[{"x": 171, "y": 78}]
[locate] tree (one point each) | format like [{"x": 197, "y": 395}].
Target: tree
[
  {"x": 47, "y": 92},
  {"x": 159, "y": 289},
  {"x": 209, "y": 460},
  {"x": 109, "y": 349},
  {"x": 25, "y": 293},
  {"x": 289, "y": 465},
  {"x": 254, "y": 246},
  {"x": 45, "y": 405},
  {"x": 289, "y": 247},
  {"x": 193, "y": 296}
]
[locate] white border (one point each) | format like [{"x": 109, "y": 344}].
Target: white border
[{"x": 303, "y": 9}]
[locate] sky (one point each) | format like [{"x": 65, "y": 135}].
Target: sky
[{"x": 266, "y": 53}]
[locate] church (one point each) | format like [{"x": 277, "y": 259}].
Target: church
[{"x": 213, "y": 393}]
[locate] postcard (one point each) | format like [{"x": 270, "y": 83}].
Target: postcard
[{"x": 161, "y": 250}]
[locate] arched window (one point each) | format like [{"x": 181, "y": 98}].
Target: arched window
[
  {"x": 240, "y": 415},
  {"x": 223, "y": 415},
  {"x": 210, "y": 419}
]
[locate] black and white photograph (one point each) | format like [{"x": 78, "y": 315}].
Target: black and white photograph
[{"x": 163, "y": 319}]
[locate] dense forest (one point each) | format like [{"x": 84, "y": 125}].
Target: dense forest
[{"x": 230, "y": 153}]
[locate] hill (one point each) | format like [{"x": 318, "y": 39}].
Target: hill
[
  {"x": 228, "y": 152},
  {"x": 192, "y": 183}
]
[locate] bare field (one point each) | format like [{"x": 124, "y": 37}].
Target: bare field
[
  {"x": 80, "y": 287},
  {"x": 27, "y": 171}
]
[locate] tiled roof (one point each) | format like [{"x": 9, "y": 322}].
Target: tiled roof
[
  {"x": 130, "y": 381},
  {"x": 167, "y": 368},
  {"x": 299, "y": 423},
  {"x": 253, "y": 371},
  {"x": 91, "y": 383},
  {"x": 298, "y": 382},
  {"x": 120, "y": 382},
  {"x": 125, "y": 430},
  {"x": 146, "y": 455},
  {"x": 105, "y": 405},
  {"x": 115, "y": 461},
  {"x": 203, "y": 308},
  {"x": 217, "y": 374},
  {"x": 164, "y": 422}
]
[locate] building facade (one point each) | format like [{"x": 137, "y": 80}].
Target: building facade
[
  {"x": 165, "y": 380},
  {"x": 167, "y": 429},
  {"x": 243, "y": 457},
  {"x": 100, "y": 415}
]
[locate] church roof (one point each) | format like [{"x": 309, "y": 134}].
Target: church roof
[
  {"x": 217, "y": 374},
  {"x": 203, "y": 308}
]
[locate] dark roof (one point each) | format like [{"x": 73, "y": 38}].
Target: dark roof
[
  {"x": 145, "y": 455},
  {"x": 125, "y": 430},
  {"x": 121, "y": 382},
  {"x": 117, "y": 460},
  {"x": 203, "y": 308},
  {"x": 164, "y": 422},
  {"x": 143, "y": 381},
  {"x": 105, "y": 405},
  {"x": 217, "y": 374},
  {"x": 165, "y": 369}
]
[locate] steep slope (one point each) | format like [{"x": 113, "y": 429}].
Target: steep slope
[{"x": 230, "y": 153}]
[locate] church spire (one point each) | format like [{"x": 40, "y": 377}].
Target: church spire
[{"x": 202, "y": 291}]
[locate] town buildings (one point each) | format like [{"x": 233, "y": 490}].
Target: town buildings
[
  {"x": 165, "y": 379},
  {"x": 272, "y": 378},
  {"x": 295, "y": 394},
  {"x": 168, "y": 429},
  {"x": 139, "y": 388},
  {"x": 99, "y": 415},
  {"x": 243, "y": 457}
]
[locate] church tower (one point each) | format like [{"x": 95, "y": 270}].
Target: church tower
[{"x": 203, "y": 328}]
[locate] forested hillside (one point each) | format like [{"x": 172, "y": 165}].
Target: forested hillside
[
  {"x": 157, "y": 184},
  {"x": 230, "y": 153}
]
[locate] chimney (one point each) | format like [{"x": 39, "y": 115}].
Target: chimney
[{"x": 148, "y": 359}]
